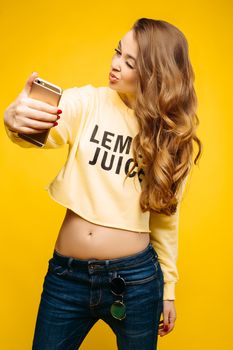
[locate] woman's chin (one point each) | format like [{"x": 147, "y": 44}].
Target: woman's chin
[{"x": 112, "y": 86}]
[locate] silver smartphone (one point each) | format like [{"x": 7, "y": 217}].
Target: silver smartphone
[{"x": 47, "y": 92}]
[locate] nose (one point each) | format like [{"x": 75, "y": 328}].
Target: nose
[{"x": 116, "y": 64}]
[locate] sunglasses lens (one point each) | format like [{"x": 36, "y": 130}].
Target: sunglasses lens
[
  {"x": 118, "y": 310},
  {"x": 118, "y": 285}
]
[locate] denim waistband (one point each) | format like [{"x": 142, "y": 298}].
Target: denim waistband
[{"x": 140, "y": 257}]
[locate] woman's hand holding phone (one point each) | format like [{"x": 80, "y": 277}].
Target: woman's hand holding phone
[{"x": 28, "y": 115}]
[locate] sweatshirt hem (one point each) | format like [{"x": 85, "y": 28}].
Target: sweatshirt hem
[{"x": 92, "y": 220}]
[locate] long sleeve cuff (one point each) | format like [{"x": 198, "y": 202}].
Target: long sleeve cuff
[{"x": 169, "y": 291}]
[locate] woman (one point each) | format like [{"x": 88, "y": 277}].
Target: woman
[{"x": 115, "y": 255}]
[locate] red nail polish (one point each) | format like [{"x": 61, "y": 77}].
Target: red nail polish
[
  {"x": 59, "y": 111},
  {"x": 58, "y": 117},
  {"x": 55, "y": 124},
  {"x": 165, "y": 328}
]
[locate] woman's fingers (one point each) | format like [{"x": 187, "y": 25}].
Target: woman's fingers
[
  {"x": 39, "y": 105},
  {"x": 33, "y": 126},
  {"x": 27, "y": 88},
  {"x": 34, "y": 114},
  {"x": 163, "y": 330},
  {"x": 169, "y": 317}
]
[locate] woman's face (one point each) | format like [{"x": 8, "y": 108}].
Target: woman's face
[{"x": 123, "y": 66}]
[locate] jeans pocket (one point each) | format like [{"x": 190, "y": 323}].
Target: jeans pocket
[
  {"x": 57, "y": 269},
  {"x": 141, "y": 274}
]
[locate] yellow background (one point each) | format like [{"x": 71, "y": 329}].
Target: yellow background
[{"x": 71, "y": 44}]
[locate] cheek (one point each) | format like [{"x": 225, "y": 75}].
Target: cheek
[
  {"x": 130, "y": 78},
  {"x": 131, "y": 82}
]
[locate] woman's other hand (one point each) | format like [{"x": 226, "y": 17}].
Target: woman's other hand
[{"x": 169, "y": 317}]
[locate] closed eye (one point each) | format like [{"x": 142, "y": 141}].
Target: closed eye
[{"x": 119, "y": 53}]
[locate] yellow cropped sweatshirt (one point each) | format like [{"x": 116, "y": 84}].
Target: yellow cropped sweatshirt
[{"x": 99, "y": 129}]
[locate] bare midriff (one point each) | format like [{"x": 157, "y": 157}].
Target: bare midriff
[{"x": 82, "y": 239}]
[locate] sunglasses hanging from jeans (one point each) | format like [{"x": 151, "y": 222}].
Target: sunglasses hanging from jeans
[{"x": 118, "y": 308}]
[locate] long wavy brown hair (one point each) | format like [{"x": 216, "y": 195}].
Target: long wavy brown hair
[{"x": 165, "y": 109}]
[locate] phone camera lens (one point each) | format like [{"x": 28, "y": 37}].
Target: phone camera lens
[{"x": 38, "y": 81}]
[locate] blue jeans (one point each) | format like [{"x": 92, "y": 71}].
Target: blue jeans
[{"x": 76, "y": 294}]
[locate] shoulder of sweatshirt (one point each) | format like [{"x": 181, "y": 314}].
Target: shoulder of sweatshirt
[
  {"x": 83, "y": 98},
  {"x": 86, "y": 91}
]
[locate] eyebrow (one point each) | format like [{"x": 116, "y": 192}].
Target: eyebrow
[{"x": 119, "y": 44}]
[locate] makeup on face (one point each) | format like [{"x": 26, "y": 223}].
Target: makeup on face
[{"x": 123, "y": 72}]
